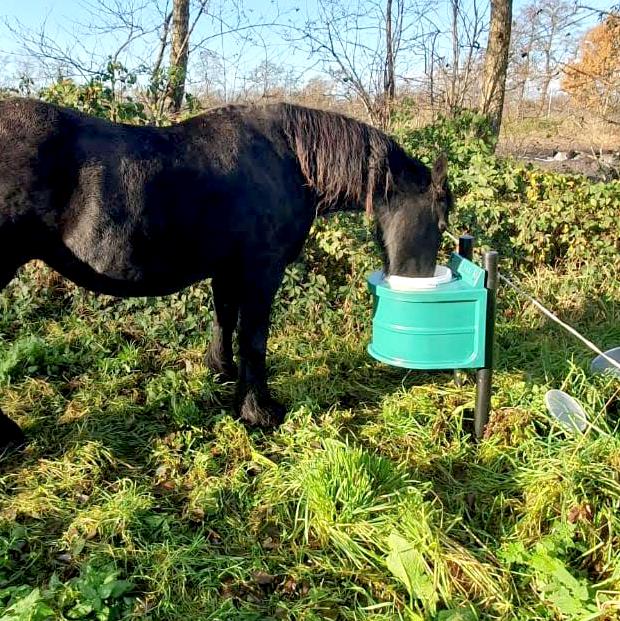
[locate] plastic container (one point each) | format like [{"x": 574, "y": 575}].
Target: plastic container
[{"x": 434, "y": 327}]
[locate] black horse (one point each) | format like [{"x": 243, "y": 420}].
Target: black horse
[{"x": 231, "y": 194}]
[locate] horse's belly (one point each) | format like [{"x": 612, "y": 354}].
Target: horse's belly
[
  {"x": 122, "y": 268},
  {"x": 124, "y": 284},
  {"x": 125, "y": 251}
]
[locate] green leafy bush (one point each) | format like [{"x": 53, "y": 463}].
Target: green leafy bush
[
  {"x": 531, "y": 216},
  {"x": 105, "y": 95},
  {"x": 462, "y": 139}
]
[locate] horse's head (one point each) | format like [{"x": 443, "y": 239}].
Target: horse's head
[{"x": 412, "y": 220}]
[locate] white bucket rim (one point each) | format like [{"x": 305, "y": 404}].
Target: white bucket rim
[{"x": 443, "y": 275}]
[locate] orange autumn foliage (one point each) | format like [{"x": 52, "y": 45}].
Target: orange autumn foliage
[{"x": 593, "y": 79}]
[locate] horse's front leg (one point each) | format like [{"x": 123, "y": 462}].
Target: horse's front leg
[
  {"x": 226, "y": 315},
  {"x": 255, "y": 405},
  {"x": 11, "y": 436}
]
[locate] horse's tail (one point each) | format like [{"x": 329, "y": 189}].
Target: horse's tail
[{"x": 343, "y": 160}]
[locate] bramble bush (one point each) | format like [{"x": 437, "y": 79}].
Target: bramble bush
[
  {"x": 100, "y": 95},
  {"x": 532, "y": 217}
]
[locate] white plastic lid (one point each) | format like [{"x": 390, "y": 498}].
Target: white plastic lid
[
  {"x": 566, "y": 410},
  {"x": 602, "y": 365},
  {"x": 443, "y": 275}
]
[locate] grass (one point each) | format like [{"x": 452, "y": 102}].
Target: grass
[{"x": 140, "y": 496}]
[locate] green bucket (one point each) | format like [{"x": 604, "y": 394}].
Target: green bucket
[{"x": 439, "y": 328}]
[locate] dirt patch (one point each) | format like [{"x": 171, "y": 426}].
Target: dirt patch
[
  {"x": 567, "y": 144},
  {"x": 598, "y": 166}
]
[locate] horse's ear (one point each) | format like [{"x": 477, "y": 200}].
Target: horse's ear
[{"x": 439, "y": 175}]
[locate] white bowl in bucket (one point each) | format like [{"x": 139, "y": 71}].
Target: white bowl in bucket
[{"x": 443, "y": 275}]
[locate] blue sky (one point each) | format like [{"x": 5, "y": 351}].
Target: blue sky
[{"x": 66, "y": 22}]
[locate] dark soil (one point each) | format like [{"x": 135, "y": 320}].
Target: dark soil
[
  {"x": 583, "y": 164},
  {"x": 601, "y": 165}
]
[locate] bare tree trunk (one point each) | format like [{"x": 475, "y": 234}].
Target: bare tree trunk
[
  {"x": 529, "y": 49},
  {"x": 163, "y": 42},
  {"x": 472, "y": 35},
  {"x": 431, "y": 84},
  {"x": 496, "y": 62},
  {"x": 452, "y": 97},
  {"x": 548, "y": 74},
  {"x": 179, "y": 55},
  {"x": 389, "y": 87}
]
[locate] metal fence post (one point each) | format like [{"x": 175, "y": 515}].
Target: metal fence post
[
  {"x": 465, "y": 248},
  {"x": 484, "y": 376}
]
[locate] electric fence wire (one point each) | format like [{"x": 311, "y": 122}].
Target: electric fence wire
[{"x": 545, "y": 311}]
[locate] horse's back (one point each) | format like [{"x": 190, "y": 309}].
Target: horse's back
[
  {"x": 27, "y": 118},
  {"x": 155, "y": 205}
]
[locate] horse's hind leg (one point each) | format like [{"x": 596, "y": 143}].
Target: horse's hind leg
[
  {"x": 11, "y": 436},
  {"x": 255, "y": 405},
  {"x": 219, "y": 357}
]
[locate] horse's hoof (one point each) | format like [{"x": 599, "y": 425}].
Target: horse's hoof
[
  {"x": 225, "y": 370},
  {"x": 263, "y": 412},
  {"x": 11, "y": 436}
]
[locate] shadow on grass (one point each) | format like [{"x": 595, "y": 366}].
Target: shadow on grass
[
  {"x": 345, "y": 379},
  {"x": 547, "y": 351}
]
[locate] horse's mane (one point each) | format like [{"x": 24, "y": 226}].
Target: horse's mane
[{"x": 342, "y": 159}]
